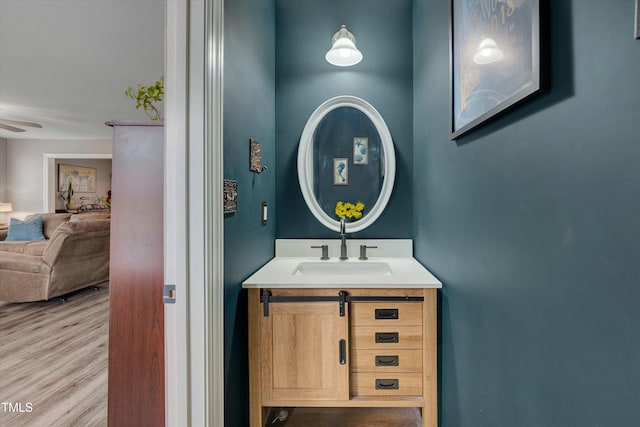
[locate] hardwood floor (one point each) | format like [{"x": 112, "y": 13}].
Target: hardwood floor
[
  {"x": 353, "y": 417},
  {"x": 53, "y": 361}
]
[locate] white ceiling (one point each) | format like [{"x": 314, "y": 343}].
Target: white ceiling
[{"x": 66, "y": 63}]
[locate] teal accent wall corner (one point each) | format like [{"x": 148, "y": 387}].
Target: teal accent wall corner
[
  {"x": 249, "y": 99},
  {"x": 531, "y": 222}
]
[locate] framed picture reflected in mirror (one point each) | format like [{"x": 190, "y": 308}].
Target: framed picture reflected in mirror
[{"x": 340, "y": 171}]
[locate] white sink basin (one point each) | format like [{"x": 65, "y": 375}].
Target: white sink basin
[{"x": 334, "y": 268}]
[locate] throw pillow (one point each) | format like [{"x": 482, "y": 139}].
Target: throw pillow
[{"x": 25, "y": 230}]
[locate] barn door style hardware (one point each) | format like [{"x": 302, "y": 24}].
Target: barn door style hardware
[{"x": 266, "y": 297}]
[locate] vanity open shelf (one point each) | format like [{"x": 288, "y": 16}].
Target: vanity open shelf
[{"x": 341, "y": 341}]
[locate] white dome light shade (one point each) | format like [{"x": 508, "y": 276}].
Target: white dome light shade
[
  {"x": 487, "y": 52},
  {"x": 343, "y": 52}
]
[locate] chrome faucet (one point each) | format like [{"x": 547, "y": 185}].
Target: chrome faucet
[{"x": 343, "y": 237}]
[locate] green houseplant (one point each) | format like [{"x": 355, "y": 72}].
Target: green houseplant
[
  {"x": 147, "y": 98},
  {"x": 106, "y": 201},
  {"x": 66, "y": 195}
]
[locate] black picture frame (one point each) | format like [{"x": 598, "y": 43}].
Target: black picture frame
[
  {"x": 485, "y": 86},
  {"x": 637, "y": 26}
]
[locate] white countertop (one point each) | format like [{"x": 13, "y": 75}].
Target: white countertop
[{"x": 394, "y": 255}]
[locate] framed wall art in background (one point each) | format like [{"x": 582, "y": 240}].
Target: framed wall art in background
[
  {"x": 82, "y": 179},
  {"x": 495, "y": 58}
]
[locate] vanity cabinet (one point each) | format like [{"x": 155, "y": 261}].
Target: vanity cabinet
[
  {"x": 303, "y": 343},
  {"x": 386, "y": 349},
  {"x": 363, "y": 347}
]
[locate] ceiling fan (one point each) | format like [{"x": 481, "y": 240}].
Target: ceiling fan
[{"x": 12, "y": 125}]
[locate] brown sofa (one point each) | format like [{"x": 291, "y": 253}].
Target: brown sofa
[{"x": 74, "y": 255}]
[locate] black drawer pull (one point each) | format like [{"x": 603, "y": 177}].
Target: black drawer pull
[
  {"x": 343, "y": 352},
  {"x": 387, "y": 337},
  {"x": 386, "y": 313},
  {"x": 387, "y": 360},
  {"x": 388, "y": 384}
]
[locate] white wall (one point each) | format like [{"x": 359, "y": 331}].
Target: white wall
[
  {"x": 103, "y": 179},
  {"x": 3, "y": 169},
  {"x": 4, "y": 217},
  {"x": 24, "y": 171}
]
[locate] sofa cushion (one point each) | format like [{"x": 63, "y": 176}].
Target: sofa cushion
[
  {"x": 78, "y": 239},
  {"x": 23, "y": 263},
  {"x": 51, "y": 221},
  {"x": 89, "y": 216},
  {"x": 29, "y": 229},
  {"x": 29, "y": 247}
]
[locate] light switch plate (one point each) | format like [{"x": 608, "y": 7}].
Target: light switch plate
[{"x": 263, "y": 213}]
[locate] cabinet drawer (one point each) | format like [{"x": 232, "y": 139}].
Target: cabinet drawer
[
  {"x": 386, "y": 313},
  {"x": 386, "y": 338},
  {"x": 386, "y": 361},
  {"x": 385, "y": 384}
]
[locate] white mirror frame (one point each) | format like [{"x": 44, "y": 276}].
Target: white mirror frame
[{"x": 305, "y": 162}]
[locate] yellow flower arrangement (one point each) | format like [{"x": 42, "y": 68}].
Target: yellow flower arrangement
[{"x": 349, "y": 210}]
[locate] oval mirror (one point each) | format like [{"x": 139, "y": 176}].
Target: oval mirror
[{"x": 346, "y": 155}]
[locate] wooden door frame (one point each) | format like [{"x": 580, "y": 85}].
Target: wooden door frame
[{"x": 193, "y": 232}]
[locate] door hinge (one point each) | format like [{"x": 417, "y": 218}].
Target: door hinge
[{"x": 169, "y": 294}]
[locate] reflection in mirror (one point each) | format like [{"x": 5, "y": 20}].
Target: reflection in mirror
[
  {"x": 346, "y": 155},
  {"x": 346, "y": 160}
]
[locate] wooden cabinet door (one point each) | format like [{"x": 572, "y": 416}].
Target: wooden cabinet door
[{"x": 302, "y": 358}]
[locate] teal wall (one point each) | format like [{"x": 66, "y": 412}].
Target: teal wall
[
  {"x": 533, "y": 225},
  {"x": 531, "y": 221},
  {"x": 304, "y": 80},
  {"x": 249, "y": 99}
]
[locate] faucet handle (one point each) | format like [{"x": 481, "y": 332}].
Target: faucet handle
[
  {"x": 325, "y": 251},
  {"x": 363, "y": 251}
]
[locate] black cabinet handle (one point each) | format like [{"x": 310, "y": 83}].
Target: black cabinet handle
[
  {"x": 387, "y": 337},
  {"x": 387, "y": 360},
  {"x": 386, "y": 313},
  {"x": 343, "y": 352},
  {"x": 387, "y": 384}
]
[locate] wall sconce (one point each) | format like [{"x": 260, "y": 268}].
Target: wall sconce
[
  {"x": 488, "y": 52},
  {"x": 343, "y": 52}
]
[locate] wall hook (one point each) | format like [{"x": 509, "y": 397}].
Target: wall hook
[{"x": 255, "y": 157}]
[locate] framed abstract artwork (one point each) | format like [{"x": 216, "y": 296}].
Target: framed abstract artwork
[
  {"x": 494, "y": 57},
  {"x": 82, "y": 179}
]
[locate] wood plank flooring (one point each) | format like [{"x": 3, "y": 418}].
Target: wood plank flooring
[{"x": 53, "y": 361}]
